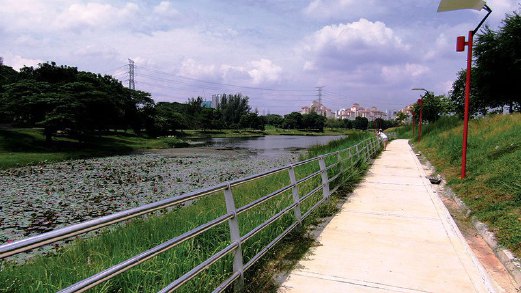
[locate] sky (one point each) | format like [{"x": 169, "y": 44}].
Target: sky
[{"x": 276, "y": 52}]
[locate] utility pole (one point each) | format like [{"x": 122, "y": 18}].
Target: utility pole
[
  {"x": 131, "y": 67},
  {"x": 319, "y": 89}
]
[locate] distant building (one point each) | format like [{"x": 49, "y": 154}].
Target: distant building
[
  {"x": 357, "y": 111},
  {"x": 207, "y": 104},
  {"x": 216, "y": 99},
  {"x": 318, "y": 108}
]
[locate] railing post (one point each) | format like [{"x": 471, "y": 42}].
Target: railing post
[
  {"x": 235, "y": 235},
  {"x": 351, "y": 156},
  {"x": 325, "y": 180},
  {"x": 368, "y": 152},
  {"x": 296, "y": 197},
  {"x": 357, "y": 153}
]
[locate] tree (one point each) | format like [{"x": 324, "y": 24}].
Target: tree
[
  {"x": 335, "y": 123},
  {"x": 232, "y": 108},
  {"x": 313, "y": 121},
  {"x": 168, "y": 119},
  {"x": 433, "y": 107},
  {"x": 348, "y": 124},
  {"x": 63, "y": 98},
  {"x": 292, "y": 120},
  {"x": 252, "y": 120},
  {"x": 498, "y": 64},
  {"x": 360, "y": 123},
  {"x": 401, "y": 117},
  {"x": 274, "y": 120}
]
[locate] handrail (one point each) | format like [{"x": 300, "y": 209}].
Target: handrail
[{"x": 364, "y": 150}]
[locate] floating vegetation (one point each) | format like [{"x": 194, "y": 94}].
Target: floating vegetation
[{"x": 37, "y": 199}]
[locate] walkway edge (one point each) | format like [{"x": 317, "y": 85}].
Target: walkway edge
[{"x": 486, "y": 281}]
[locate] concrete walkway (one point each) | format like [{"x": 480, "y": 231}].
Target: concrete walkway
[{"x": 393, "y": 235}]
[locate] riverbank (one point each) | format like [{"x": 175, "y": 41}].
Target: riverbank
[
  {"x": 27, "y": 146},
  {"x": 51, "y": 273}
]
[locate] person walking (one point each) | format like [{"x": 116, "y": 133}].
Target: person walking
[{"x": 383, "y": 137}]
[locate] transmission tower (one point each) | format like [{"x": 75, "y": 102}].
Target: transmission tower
[
  {"x": 131, "y": 67},
  {"x": 319, "y": 93}
]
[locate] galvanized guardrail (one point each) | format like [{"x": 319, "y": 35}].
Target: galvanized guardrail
[{"x": 337, "y": 163}]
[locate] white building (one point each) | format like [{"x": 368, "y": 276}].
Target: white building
[
  {"x": 357, "y": 111},
  {"x": 318, "y": 108}
]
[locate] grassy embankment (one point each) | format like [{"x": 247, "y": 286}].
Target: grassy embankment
[
  {"x": 85, "y": 257},
  {"x": 27, "y": 146},
  {"x": 270, "y": 130},
  {"x": 19, "y": 147},
  {"x": 492, "y": 189}
]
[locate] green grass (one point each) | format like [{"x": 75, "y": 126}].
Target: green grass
[
  {"x": 27, "y": 146},
  {"x": 270, "y": 130},
  {"x": 492, "y": 189},
  {"x": 85, "y": 257}
]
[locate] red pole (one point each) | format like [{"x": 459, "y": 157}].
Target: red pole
[
  {"x": 412, "y": 124},
  {"x": 467, "y": 101},
  {"x": 420, "y": 102}
]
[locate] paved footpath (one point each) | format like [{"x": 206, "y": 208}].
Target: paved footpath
[{"x": 393, "y": 235}]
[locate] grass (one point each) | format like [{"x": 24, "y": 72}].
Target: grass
[
  {"x": 492, "y": 187},
  {"x": 270, "y": 130},
  {"x": 27, "y": 146},
  {"x": 84, "y": 257}
]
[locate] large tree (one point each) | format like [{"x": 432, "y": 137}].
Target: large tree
[
  {"x": 63, "y": 98},
  {"x": 498, "y": 64},
  {"x": 433, "y": 107},
  {"x": 232, "y": 108}
]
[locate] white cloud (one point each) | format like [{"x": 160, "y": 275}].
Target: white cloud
[
  {"x": 361, "y": 33},
  {"x": 348, "y": 45},
  {"x": 94, "y": 15},
  {"x": 263, "y": 71},
  {"x": 403, "y": 72},
  {"x": 327, "y": 9},
  {"x": 18, "y": 62},
  {"x": 502, "y": 7},
  {"x": 191, "y": 68},
  {"x": 165, "y": 8}
]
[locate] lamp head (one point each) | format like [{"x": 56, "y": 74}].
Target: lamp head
[{"x": 449, "y": 5}]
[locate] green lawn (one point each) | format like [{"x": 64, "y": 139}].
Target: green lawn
[
  {"x": 27, "y": 146},
  {"x": 492, "y": 189}
]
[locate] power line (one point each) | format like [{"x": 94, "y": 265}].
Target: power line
[{"x": 223, "y": 84}]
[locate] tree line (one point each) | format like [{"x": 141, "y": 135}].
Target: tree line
[
  {"x": 495, "y": 77},
  {"x": 64, "y": 100},
  {"x": 496, "y": 71}
]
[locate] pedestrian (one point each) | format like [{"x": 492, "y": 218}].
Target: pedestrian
[{"x": 385, "y": 140}]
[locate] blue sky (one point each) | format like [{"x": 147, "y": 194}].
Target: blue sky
[{"x": 276, "y": 52}]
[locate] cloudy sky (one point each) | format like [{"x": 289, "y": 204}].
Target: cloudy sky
[{"x": 274, "y": 51}]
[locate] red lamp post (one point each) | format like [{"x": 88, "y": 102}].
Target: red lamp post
[
  {"x": 420, "y": 103},
  {"x": 413, "y": 118},
  {"x": 448, "y": 5}
]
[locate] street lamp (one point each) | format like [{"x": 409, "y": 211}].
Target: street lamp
[
  {"x": 420, "y": 102},
  {"x": 449, "y": 5}
]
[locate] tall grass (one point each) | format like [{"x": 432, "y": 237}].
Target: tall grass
[
  {"x": 492, "y": 188},
  {"x": 85, "y": 257}
]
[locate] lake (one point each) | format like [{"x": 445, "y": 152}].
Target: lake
[{"x": 271, "y": 145}]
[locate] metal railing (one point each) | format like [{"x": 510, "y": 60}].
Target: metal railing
[{"x": 332, "y": 168}]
